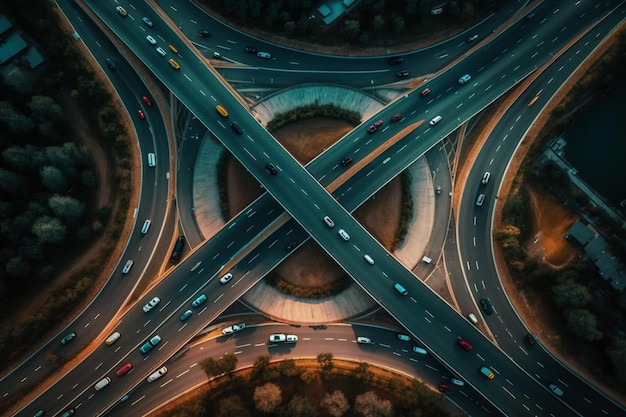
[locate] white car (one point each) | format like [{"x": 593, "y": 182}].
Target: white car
[
  {"x": 158, "y": 374},
  {"x": 161, "y": 51},
  {"x": 151, "y": 40},
  {"x": 151, "y": 304},
  {"x": 292, "y": 338},
  {"x": 343, "y": 234},
  {"x": 278, "y": 337},
  {"x": 329, "y": 222},
  {"x": 226, "y": 278},
  {"x": 112, "y": 339},
  {"x": 364, "y": 340},
  {"x": 127, "y": 266},
  {"x": 234, "y": 328}
]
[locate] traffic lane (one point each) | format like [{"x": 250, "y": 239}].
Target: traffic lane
[
  {"x": 86, "y": 326},
  {"x": 184, "y": 372},
  {"x": 192, "y": 18},
  {"x": 549, "y": 76}
]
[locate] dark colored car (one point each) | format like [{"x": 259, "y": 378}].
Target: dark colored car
[
  {"x": 236, "y": 128},
  {"x": 445, "y": 388},
  {"x": 271, "y": 169},
  {"x": 186, "y": 315},
  {"x": 110, "y": 63},
  {"x": 204, "y": 33},
  {"x": 486, "y": 305},
  {"x": 372, "y": 129},
  {"x": 291, "y": 246},
  {"x": 396, "y": 60},
  {"x": 532, "y": 339},
  {"x": 403, "y": 73},
  {"x": 178, "y": 249},
  {"x": 396, "y": 117},
  {"x": 346, "y": 161},
  {"x": 250, "y": 50}
]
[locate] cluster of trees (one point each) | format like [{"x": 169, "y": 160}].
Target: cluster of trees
[
  {"x": 365, "y": 21},
  {"x": 47, "y": 211},
  {"x": 593, "y": 313},
  {"x": 43, "y": 188},
  {"x": 286, "y": 389}
]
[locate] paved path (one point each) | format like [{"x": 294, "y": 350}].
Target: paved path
[{"x": 353, "y": 302}]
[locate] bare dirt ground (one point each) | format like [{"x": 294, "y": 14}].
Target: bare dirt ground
[
  {"x": 310, "y": 266},
  {"x": 551, "y": 222}
]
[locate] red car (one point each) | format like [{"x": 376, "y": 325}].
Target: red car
[
  {"x": 425, "y": 92},
  {"x": 445, "y": 388},
  {"x": 146, "y": 100},
  {"x": 465, "y": 344},
  {"x": 124, "y": 369},
  {"x": 372, "y": 129},
  {"x": 142, "y": 116},
  {"x": 378, "y": 123},
  {"x": 396, "y": 117}
]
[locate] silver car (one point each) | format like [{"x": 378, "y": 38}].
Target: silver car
[{"x": 151, "y": 304}]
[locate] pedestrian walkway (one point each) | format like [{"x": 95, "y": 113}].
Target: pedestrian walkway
[{"x": 353, "y": 302}]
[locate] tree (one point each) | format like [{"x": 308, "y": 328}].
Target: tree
[
  {"x": 53, "y": 179},
  {"x": 211, "y": 367},
  {"x": 260, "y": 366},
  {"x": 378, "y": 23},
  {"x": 228, "y": 364},
  {"x": 326, "y": 363},
  {"x": 233, "y": 406},
  {"x": 298, "y": 406},
  {"x": 335, "y": 404},
  {"x": 398, "y": 24},
  {"x": 49, "y": 230},
  {"x": 267, "y": 397},
  {"x": 369, "y": 405},
  {"x": 288, "y": 368},
  {"x": 17, "y": 123},
  {"x": 18, "y": 267},
  {"x": 11, "y": 182},
  {"x": 569, "y": 293},
  {"x": 67, "y": 208},
  {"x": 363, "y": 373},
  {"x": 45, "y": 109},
  {"x": 289, "y": 28},
  {"x": 583, "y": 323},
  {"x": 617, "y": 355},
  {"x": 351, "y": 29}
]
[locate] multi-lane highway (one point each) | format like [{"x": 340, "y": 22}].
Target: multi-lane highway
[{"x": 433, "y": 320}]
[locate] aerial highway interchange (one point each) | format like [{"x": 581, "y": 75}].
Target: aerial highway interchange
[{"x": 515, "y": 389}]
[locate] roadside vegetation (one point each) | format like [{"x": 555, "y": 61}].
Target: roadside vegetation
[
  {"x": 308, "y": 388},
  {"x": 368, "y": 22},
  {"x": 49, "y": 215},
  {"x": 591, "y": 313}
]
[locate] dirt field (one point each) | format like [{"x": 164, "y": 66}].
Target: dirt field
[
  {"x": 310, "y": 266},
  {"x": 550, "y": 224}
]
